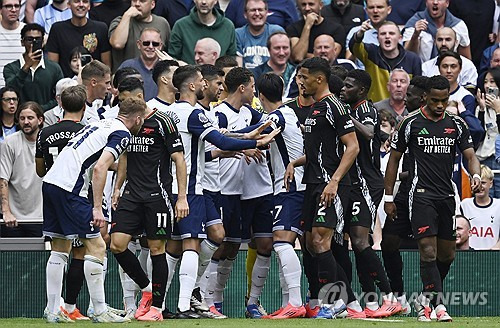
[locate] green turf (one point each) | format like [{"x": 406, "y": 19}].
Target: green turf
[{"x": 302, "y": 323}]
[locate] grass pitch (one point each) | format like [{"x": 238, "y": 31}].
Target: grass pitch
[{"x": 469, "y": 322}]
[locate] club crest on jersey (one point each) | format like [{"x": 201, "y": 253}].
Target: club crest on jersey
[
  {"x": 316, "y": 112},
  {"x": 124, "y": 142},
  {"x": 449, "y": 130},
  {"x": 147, "y": 130},
  {"x": 202, "y": 118}
]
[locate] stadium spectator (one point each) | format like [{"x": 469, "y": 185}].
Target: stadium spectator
[
  {"x": 483, "y": 212},
  {"x": 478, "y": 17},
  {"x": 251, "y": 38},
  {"x": 379, "y": 61},
  {"x": 377, "y": 11},
  {"x": 403, "y": 10},
  {"x": 420, "y": 30},
  {"x": 345, "y": 12},
  {"x": 303, "y": 33},
  {"x": 397, "y": 87},
  {"x": 53, "y": 12},
  {"x": 493, "y": 62},
  {"x": 109, "y": 10},
  {"x": 32, "y": 74},
  {"x": 8, "y": 120},
  {"x": 18, "y": 179},
  {"x": 487, "y": 57},
  {"x": 148, "y": 43},
  {"x": 173, "y": 10},
  {"x": 463, "y": 233},
  {"x": 79, "y": 57},
  {"x": 10, "y": 34},
  {"x": 281, "y": 12},
  {"x": 125, "y": 30},
  {"x": 204, "y": 20},
  {"x": 77, "y": 31},
  {"x": 324, "y": 47},
  {"x": 162, "y": 76},
  {"x": 488, "y": 112},
  {"x": 279, "y": 55},
  {"x": 206, "y": 51},
  {"x": 446, "y": 40},
  {"x": 56, "y": 114}
]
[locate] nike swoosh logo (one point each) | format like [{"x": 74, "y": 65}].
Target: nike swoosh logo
[
  {"x": 274, "y": 222},
  {"x": 94, "y": 274}
]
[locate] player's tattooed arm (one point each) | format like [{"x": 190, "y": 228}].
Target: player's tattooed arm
[
  {"x": 9, "y": 219},
  {"x": 121, "y": 174}
]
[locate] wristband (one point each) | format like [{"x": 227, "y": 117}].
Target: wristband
[
  {"x": 389, "y": 198},
  {"x": 476, "y": 176}
]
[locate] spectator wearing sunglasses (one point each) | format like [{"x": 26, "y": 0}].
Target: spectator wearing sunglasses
[
  {"x": 147, "y": 44},
  {"x": 10, "y": 34},
  {"x": 125, "y": 30}
]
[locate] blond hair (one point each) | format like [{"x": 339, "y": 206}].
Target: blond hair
[{"x": 486, "y": 173}]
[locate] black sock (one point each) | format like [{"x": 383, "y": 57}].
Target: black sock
[
  {"x": 341, "y": 254},
  {"x": 130, "y": 264},
  {"x": 393, "y": 264},
  {"x": 443, "y": 268},
  {"x": 431, "y": 279},
  {"x": 311, "y": 271},
  {"x": 327, "y": 268},
  {"x": 160, "y": 275},
  {"x": 375, "y": 269},
  {"x": 341, "y": 275},
  {"x": 366, "y": 282},
  {"x": 74, "y": 280}
]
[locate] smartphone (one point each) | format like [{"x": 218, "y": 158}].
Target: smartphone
[
  {"x": 493, "y": 91},
  {"x": 36, "y": 45},
  {"x": 85, "y": 59}
]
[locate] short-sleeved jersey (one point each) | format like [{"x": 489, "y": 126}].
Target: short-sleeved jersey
[
  {"x": 484, "y": 222},
  {"x": 72, "y": 167},
  {"x": 211, "y": 179},
  {"x": 287, "y": 147},
  {"x": 149, "y": 175},
  {"x": 300, "y": 110},
  {"x": 432, "y": 146},
  {"x": 52, "y": 139},
  {"x": 157, "y": 103},
  {"x": 193, "y": 126},
  {"x": 366, "y": 168},
  {"x": 327, "y": 121}
]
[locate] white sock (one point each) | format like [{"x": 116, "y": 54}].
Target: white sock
[
  {"x": 372, "y": 306},
  {"x": 207, "y": 249},
  {"x": 292, "y": 271},
  {"x": 284, "y": 286},
  {"x": 211, "y": 278},
  {"x": 402, "y": 300},
  {"x": 223, "y": 272},
  {"x": 143, "y": 258},
  {"x": 187, "y": 279},
  {"x": 130, "y": 290},
  {"x": 172, "y": 264},
  {"x": 70, "y": 308},
  {"x": 259, "y": 276},
  {"x": 55, "y": 273},
  {"x": 389, "y": 297},
  {"x": 104, "y": 267},
  {"x": 93, "y": 268},
  {"x": 354, "y": 305}
]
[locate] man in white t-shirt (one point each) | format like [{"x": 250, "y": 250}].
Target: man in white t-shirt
[
  {"x": 483, "y": 213},
  {"x": 10, "y": 34}
]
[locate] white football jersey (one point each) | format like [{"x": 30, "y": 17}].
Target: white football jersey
[
  {"x": 157, "y": 103},
  {"x": 484, "y": 221},
  {"x": 211, "y": 179},
  {"x": 71, "y": 169},
  {"x": 193, "y": 126},
  {"x": 286, "y": 147},
  {"x": 96, "y": 111}
]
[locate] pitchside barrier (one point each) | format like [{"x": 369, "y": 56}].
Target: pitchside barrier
[{"x": 471, "y": 288}]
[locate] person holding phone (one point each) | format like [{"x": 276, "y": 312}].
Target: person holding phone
[
  {"x": 34, "y": 76},
  {"x": 80, "y": 57},
  {"x": 488, "y": 112}
]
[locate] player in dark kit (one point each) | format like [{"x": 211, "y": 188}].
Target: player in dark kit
[
  {"x": 366, "y": 193},
  {"x": 327, "y": 129},
  {"x": 398, "y": 233},
  {"x": 50, "y": 142},
  {"x": 432, "y": 137},
  {"x": 146, "y": 204}
]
